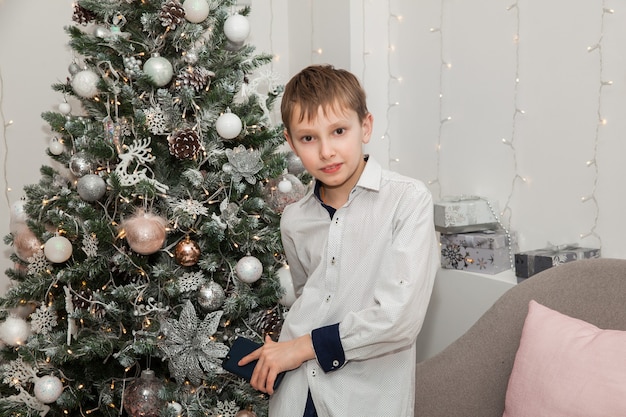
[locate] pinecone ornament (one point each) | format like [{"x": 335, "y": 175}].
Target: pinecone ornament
[
  {"x": 268, "y": 322},
  {"x": 82, "y": 298},
  {"x": 197, "y": 78},
  {"x": 184, "y": 144},
  {"x": 172, "y": 14},
  {"x": 82, "y": 16}
]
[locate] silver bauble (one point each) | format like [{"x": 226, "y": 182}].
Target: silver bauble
[
  {"x": 91, "y": 187},
  {"x": 80, "y": 164},
  {"x": 211, "y": 296},
  {"x": 294, "y": 164}
]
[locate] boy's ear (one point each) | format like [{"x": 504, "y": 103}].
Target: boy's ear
[
  {"x": 368, "y": 127},
  {"x": 289, "y": 140}
]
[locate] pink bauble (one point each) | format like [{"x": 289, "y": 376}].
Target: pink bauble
[
  {"x": 145, "y": 233},
  {"x": 25, "y": 243}
]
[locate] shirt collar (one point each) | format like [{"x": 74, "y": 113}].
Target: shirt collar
[{"x": 369, "y": 179}]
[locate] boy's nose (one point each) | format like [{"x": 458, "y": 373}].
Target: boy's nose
[{"x": 326, "y": 149}]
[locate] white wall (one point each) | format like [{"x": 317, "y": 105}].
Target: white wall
[{"x": 391, "y": 46}]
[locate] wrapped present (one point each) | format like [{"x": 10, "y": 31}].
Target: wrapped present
[
  {"x": 487, "y": 252},
  {"x": 531, "y": 262},
  {"x": 465, "y": 214}
]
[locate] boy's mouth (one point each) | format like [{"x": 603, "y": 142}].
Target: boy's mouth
[{"x": 329, "y": 169}]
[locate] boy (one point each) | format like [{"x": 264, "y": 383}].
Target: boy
[{"x": 362, "y": 253}]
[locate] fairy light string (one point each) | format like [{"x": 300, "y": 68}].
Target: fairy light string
[
  {"x": 506, "y": 214},
  {"x": 393, "y": 78},
  {"x": 444, "y": 68},
  {"x": 5, "y": 141},
  {"x": 601, "y": 122}
]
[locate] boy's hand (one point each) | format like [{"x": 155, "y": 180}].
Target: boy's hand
[{"x": 276, "y": 357}]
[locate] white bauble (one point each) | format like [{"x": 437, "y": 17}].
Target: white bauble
[
  {"x": 196, "y": 11},
  {"x": 48, "y": 389},
  {"x": 228, "y": 125},
  {"x": 249, "y": 269},
  {"x": 65, "y": 107},
  {"x": 56, "y": 147},
  {"x": 85, "y": 83},
  {"x": 57, "y": 249},
  {"x": 237, "y": 28},
  {"x": 284, "y": 276},
  {"x": 14, "y": 331},
  {"x": 159, "y": 69},
  {"x": 18, "y": 215}
]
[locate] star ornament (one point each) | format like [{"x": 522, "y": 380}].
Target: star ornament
[{"x": 189, "y": 347}]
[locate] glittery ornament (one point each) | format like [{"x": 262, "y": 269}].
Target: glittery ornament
[
  {"x": 14, "y": 331},
  {"x": 211, "y": 296},
  {"x": 187, "y": 252},
  {"x": 145, "y": 233},
  {"x": 237, "y": 28},
  {"x": 249, "y": 269},
  {"x": 80, "y": 164},
  {"x": 91, "y": 187},
  {"x": 159, "y": 69},
  {"x": 58, "y": 249},
  {"x": 48, "y": 389},
  {"x": 85, "y": 83},
  {"x": 112, "y": 132},
  {"x": 56, "y": 147},
  {"x": 196, "y": 11},
  {"x": 132, "y": 65},
  {"x": 246, "y": 413},
  {"x": 25, "y": 243},
  {"x": 141, "y": 397},
  {"x": 282, "y": 191},
  {"x": 228, "y": 125},
  {"x": 286, "y": 282},
  {"x": 294, "y": 164},
  {"x": 243, "y": 163}
]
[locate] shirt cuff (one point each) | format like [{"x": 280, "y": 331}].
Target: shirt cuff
[{"x": 328, "y": 348}]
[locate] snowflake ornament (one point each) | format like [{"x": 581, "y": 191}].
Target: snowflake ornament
[
  {"x": 190, "y": 206},
  {"x": 190, "y": 281},
  {"x": 155, "y": 118},
  {"x": 38, "y": 263},
  {"x": 226, "y": 409},
  {"x": 17, "y": 373},
  {"x": 189, "y": 347},
  {"x": 43, "y": 320},
  {"x": 90, "y": 245},
  {"x": 243, "y": 163}
]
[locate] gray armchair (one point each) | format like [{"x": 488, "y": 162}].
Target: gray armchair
[{"x": 469, "y": 378}]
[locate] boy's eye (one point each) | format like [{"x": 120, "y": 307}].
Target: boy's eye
[
  {"x": 340, "y": 131},
  {"x": 306, "y": 138}
]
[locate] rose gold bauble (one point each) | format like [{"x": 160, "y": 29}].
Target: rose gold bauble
[
  {"x": 187, "y": 252},
  {"x": 25, "y": 243},
  {"x": 145, "y": 233},
  {"x": 246, "y": 413}
]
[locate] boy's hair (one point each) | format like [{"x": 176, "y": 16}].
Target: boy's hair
[{"x": 322, "y": 86}]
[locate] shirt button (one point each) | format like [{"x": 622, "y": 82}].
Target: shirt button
[
  {"x": 332, "y": 261},
  {"x": 328, "y": 298},
  {"x": 335, "y": 363},
  {"x": 313, "y": 372}
]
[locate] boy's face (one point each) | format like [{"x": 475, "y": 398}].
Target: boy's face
[{"x": 330, "y": 145}]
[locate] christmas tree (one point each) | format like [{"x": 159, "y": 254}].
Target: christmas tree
[{"x": 154, "y": 240}]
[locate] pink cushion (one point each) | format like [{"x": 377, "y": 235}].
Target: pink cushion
[{"x": 566, "y": 367}]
